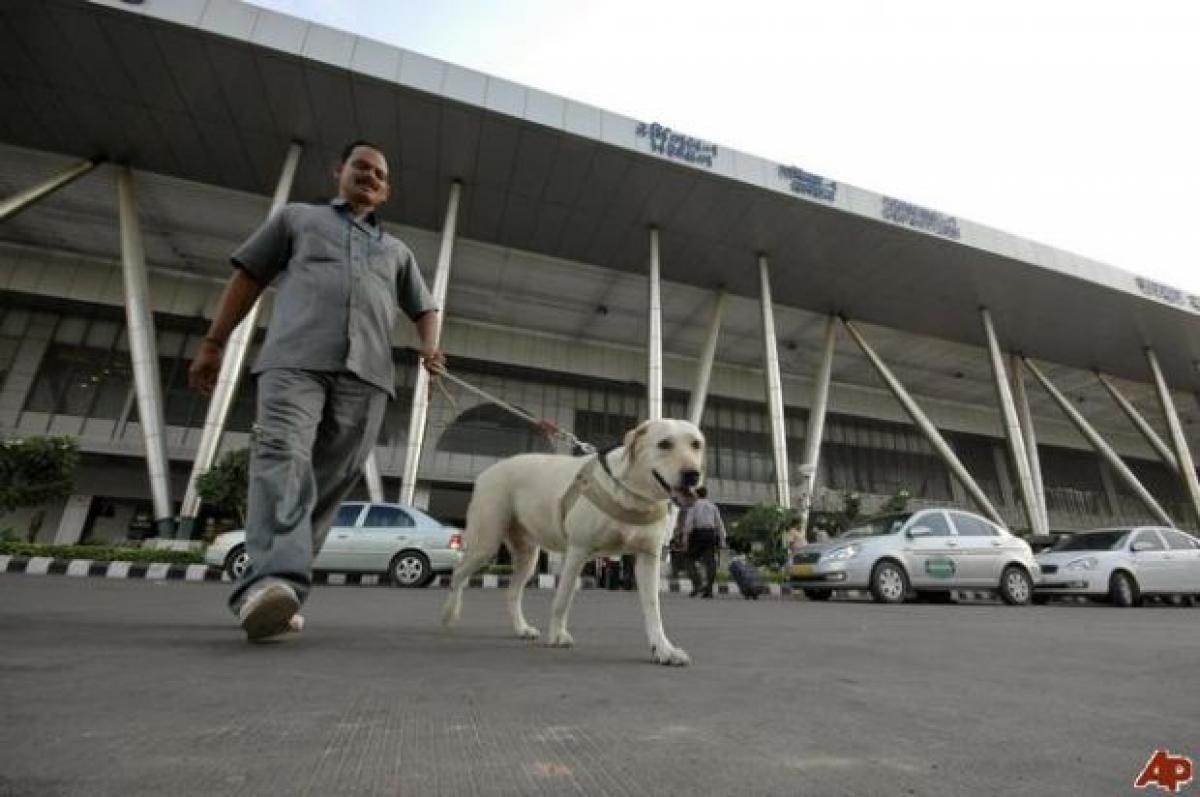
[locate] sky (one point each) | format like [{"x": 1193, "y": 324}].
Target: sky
[{"x": 1075, "y": 123}]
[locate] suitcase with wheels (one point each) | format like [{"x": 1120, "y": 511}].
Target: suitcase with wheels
[{"x": 749, "y": 580}]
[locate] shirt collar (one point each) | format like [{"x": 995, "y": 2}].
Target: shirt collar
[{"x": 370, "y": 221}]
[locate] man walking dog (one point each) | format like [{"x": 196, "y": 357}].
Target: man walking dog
[{"x": 324, "y": 374}]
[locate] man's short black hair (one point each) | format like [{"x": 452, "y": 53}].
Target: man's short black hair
[{"x": 348, "y": 150}]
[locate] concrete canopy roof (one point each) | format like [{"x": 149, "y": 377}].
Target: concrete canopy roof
[{"x": 212, "y": 91}]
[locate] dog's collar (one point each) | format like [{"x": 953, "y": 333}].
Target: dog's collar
[
  {"x": 586, "y": 485},
  {"x": 603, "y": 457}
]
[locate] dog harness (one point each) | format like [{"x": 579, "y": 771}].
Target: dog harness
[{"x": 586, "y": 484}]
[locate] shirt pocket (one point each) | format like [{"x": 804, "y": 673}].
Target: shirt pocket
[
  {"x": 319, "y": 246},
  {"x": 381, "y": 265}
]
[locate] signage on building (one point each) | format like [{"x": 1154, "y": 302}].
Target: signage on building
[
  {"x": 1166, "y": 293},
  {"x": 920, "y": 218},
  {"x": 665, "y": 141},
  {"x": 808, "y": 184}
]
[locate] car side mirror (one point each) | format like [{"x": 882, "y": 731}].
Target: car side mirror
[{"x": 919, "y": 531}]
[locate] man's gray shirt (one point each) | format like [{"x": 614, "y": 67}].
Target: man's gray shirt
[{"x": 342, "y": 280}]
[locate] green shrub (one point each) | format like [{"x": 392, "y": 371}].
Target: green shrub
[
  {"x": 101, "y": 553},
  {"x": 225, "y": 484},
  {"x": 759, "y": 534}
]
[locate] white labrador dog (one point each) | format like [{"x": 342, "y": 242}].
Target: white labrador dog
[{"x": 583, "y": 507}]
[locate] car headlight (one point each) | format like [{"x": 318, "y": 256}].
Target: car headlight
[
  {"x": 844, "y": 552},
  {"x": 1086, "y": 563}
]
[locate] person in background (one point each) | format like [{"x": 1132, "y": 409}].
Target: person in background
[
  {"x": 703, "y": 536},
  {"x": 677, "y": 548}
]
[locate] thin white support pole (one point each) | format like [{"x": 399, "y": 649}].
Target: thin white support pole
[
  {"x": 420, "y": 406},
  {"x": 143, "y": 353},
  {"x": 774, "y": 386},
  {"x": 816, "y": 424},
  {"x": 1012, "y": 429},
  {"x": 1187, "y": 468},
  {"x": 654, "y": 365},
  {"x": 20, "y": 201},
  {"x": 707, "y": 358}
]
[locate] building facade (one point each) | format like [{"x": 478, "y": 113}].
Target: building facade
[{"x": 597, "y": 271}]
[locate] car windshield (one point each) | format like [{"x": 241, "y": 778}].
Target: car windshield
[
  {"x": 879, "y": 526},
  {"x": 1109, "y": 540}
]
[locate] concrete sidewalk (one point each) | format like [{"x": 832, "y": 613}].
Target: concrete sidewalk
[{"x": 118, "y": 687}]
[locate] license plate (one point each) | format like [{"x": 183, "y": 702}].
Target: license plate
[{"x": 803, "y": 571}]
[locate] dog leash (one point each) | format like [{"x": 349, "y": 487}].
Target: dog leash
[{"x": 547, "y": 426}]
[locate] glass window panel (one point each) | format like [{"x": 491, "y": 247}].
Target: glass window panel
[
  {"x": 970, "y": 526},
  {"x": 102, "y": 334},
  {"x": 70, "y": 330},
  {"x": 1148, "y": 540},
  {"x": 14, "y": 323},
  {"x": 487, "y": 430},
  {"x": 936, "y": 523},
  {"x": 347, "y": 514},
  {"x": 387, "y": 517},
  {"x": 1178, "y": 541}
]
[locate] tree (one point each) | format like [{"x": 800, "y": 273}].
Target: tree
[
  {"x": 34, "y": 470},
  {"x": 759, "y": 533},
  {"x": 897, "y": 503},
  {"x": 224, "y": 485}
]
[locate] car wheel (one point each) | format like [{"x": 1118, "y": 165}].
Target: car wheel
[
  {"x": 410, "y": 569},
  {"x": 889, "y": 583},
  {"x": 1016, "y": 587},
  {"x": 1123, "y": 591},
  {"x": 237, "y": 562},
  {"x": 818, "y": 594}
]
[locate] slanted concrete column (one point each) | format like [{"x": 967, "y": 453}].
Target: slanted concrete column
[
  {"x": 420, "y": 407},
  {"x": 373, "y": 478},
  {"x": 927, "y": 428},
  {"x": 232, "y": 362},
  {"x": 816, "y": 424},
  {"x": 1143, "y": 426},
  {"x": 1100, "y": 445},
  {"x": 654, "y": 366},
  {"x": 143, "y": 353},
  {"x": 707, "y": 358},
  {"x": 1012, "y": 429},
  {"x": 1029, "y": 434},
  {"x": 774, "y": 387},
  {"x": 1183, "y": 455},
  {"x": 74, "y": 516},
  {"x": 17, "y": 202}
]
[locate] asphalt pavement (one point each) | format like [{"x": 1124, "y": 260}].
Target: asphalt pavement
[{"x": 147, "y": 688}]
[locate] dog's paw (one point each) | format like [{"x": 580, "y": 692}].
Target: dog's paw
[
  {"x": 670, "y": 655},
  {"x": 561, "y": 639},
  {"x": 529, "y": 632}
]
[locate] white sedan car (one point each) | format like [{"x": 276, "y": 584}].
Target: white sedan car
[
  {"x": 1122, "y": 565},
  {"x": 399, "y": 540},
  {"x": 926, "y": 553}
]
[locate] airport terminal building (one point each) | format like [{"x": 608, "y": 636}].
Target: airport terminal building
[{"x": 593, "y": 269}]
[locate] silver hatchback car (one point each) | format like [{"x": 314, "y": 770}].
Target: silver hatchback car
[
  {"x": 401, "y": 541},
  {"x": 926, "y": 553}
]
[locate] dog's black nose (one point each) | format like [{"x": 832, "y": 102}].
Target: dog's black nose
[{"x": 690, "y": 478}]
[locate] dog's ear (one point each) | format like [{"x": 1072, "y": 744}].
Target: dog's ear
[{"x": 633, "y": 437}]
